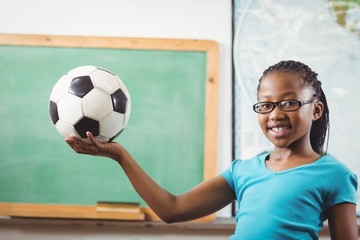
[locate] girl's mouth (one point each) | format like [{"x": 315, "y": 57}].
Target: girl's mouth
[{"x": 280, "y": 131}]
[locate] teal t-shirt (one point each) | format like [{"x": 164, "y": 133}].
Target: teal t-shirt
[{"x": 289, "y": 204}]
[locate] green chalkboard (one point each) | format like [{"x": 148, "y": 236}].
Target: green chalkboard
[{"x": 166, "y": 134}]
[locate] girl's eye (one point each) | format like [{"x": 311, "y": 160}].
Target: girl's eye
[
  {"x": 289, "y": 104},
  {"x": 265, "y": 106},
  {"x": 292, "y": 103}
]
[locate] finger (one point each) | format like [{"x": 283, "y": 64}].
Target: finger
[
  {"x": 70, "y": 142},
  {"x": 76, "y": 144},
  {"x": 92, "y": 139}
]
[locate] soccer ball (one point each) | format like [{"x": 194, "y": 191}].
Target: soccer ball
[{"x": 90, "y": 98}]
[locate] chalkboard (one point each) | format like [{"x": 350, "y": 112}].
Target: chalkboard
[{"x": 173, "y": 85}]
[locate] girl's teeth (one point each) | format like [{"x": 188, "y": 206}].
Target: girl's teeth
[{"x": 278, "y": 129}]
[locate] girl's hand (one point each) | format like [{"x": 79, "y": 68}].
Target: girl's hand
[{"x": 93, "y": 147}]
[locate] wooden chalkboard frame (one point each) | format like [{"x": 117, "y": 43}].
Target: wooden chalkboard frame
[{"x": 211, "y": 48}]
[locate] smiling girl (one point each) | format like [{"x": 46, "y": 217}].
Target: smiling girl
[{"x": 285, "y": 194}]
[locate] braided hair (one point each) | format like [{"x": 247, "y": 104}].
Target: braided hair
[{"x": 320, "y": 127}]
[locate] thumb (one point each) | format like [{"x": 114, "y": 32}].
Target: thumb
[{"x": 92, "y": 139}]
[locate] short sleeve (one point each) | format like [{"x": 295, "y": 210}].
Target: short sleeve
[
  {"x": 228, "y": 174},
  {"x": 344, "y": 191}
]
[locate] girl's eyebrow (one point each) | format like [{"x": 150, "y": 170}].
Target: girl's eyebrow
[{"x": 283, "y": 96}]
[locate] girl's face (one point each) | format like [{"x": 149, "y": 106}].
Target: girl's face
[{"x": 287, "y": 129}]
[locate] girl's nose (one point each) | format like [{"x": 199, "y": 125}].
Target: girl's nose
[{"x": 277, "y": 114}]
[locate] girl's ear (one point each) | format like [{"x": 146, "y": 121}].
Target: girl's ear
[{"x": 317, "y": 110}]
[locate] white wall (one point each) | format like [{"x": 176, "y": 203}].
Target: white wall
[{"x": 190, "y": 19}]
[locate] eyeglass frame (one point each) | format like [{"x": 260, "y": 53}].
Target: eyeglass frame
[{"x": 278, "y": 104}]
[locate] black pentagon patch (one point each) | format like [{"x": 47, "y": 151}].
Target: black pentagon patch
[
  {"x": 119, "y": 101},
  {"x": 80, "y": 86},
  {"x": 53, "y": 112},
  {"x": 87, "y": 124}
]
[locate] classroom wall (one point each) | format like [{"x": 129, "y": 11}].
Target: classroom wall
[{"x": 200, "y": 19}]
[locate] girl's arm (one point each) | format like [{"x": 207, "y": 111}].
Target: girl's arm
[
  {"x": 204, "y": 199},
  {"x": 342, "y": 222}
]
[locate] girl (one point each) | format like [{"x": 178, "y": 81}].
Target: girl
[{"x": 285, "y": 194}]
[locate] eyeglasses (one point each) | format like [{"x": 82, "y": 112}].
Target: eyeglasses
[{"x": 285, "y": 105}]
